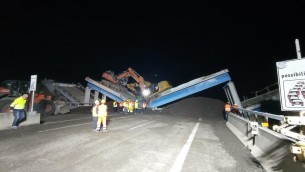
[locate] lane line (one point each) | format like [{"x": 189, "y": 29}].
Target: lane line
[
  {"x": 83, "y": 118},
  {"x": 64, "y": 127},
  {"x": 77, "y": 124},
  {"x": 140, "y": 125},
  {"x": 65, "y": 120},
  {"x": 177, "y": 166}
]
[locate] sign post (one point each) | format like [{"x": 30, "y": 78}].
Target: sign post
[
  {"x": 33, "y": 89},
  {"x": 291, "y": 81}
]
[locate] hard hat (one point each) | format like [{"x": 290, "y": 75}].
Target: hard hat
[
  {"x": 103, "y": 101},
  {"x": 97, "y": 101}
]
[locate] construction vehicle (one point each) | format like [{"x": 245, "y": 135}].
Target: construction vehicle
[
  {"x": 11, "y": 89},
  {"x": 50, "y": 97},
  {"x": 146, "y": 88},
  {"x": 122, "y": 78}
]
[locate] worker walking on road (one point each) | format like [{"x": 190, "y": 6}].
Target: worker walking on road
[
  {"x": 136, "y": 107},
  {"x": 94, "y": 111},
  {"x": 115, "y": 106},
  {"x": 18, "y": 107},
  {"x": 143, "y": 106},
  {"x": 130, "y": 106},
  {"x": 125, "y": 106},
  {"x": 102, "y": 116},
  {"x": 120, "y": 109},
  {"x": 227, "y": 111}
]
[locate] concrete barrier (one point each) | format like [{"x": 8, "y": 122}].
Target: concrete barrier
[
  {"x": 270, "y": 148},
  {"x": 6, "y": 120}
]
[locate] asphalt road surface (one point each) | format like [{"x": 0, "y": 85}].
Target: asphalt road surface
[{"x": 188, "y": 136}]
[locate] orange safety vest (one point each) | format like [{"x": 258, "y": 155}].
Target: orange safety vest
[
  {"x": 227, "y": 107},
  {"x": 121, "y": 104}
]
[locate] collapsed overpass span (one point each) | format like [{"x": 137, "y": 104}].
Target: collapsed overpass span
[{"x": 119, "y": 93}]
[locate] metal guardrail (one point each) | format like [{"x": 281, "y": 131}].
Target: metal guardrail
[
  {"x": 263, "y": 91},
  {"x": 291, "y": 127},
  {"x": 266, "y": 89},
  {"x": 287, "y": 124},
  {"x": 247, "y": 113}
]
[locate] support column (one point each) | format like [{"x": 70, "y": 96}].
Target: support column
[
  {"x": 96, "y": 94},
  {"x": 104, "y": 97},
  {"x": 87, "y": 95},
  {"x": 234, "y": 94}
]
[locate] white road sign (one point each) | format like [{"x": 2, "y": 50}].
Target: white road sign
[
  {"x": 291, "y": 80},
  {"x": 33, "y": 82}
]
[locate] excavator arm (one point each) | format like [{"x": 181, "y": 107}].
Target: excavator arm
[
  {"x": 123, "y": 79},
  {"x": 110, "y": 76},
  {"x": 138, "y": 78}
]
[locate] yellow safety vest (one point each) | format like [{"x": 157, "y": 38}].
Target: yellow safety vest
[
  {"x": 19, "y": 103},
  {"x": 125, "y": 104},
  {"x": 102, "y": 110},
  {"x": 115, "y": 104},
  {"x": 136, "y": 105}
]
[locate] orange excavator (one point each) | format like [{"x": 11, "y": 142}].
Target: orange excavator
[
  {"x": 147, "y": 88},
  {"x": 122, "y": 79}
]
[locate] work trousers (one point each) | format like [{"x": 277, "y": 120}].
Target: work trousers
[
  {"x": 19, "y": 115},
  {"x": 101, "y": 120},
  {"x": 94, "y": 122}
]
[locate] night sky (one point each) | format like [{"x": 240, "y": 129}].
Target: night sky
[{"x": 175, "y": 41}]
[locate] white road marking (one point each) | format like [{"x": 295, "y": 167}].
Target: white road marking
[
  {"x": 79, "y": 124},
  {"x": 122, "y": 117},
  {"x": 140, "y": 125},
  {"x": 65, "y": 127},
  {"x": 178, "y": 164},
  {"x": 65, "y": 120},
  {"x": 83, "y": 118}
]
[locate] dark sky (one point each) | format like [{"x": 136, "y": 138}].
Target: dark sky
[{"x": 176, "y": 41}]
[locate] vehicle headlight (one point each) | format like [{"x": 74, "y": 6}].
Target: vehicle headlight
[{"x": 146, "y": 92}]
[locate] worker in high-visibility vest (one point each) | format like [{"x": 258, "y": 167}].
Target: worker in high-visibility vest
[
  {"x": 18, "y": 107},
  {"x": 102, "y": 116},
  {"x": 143, "y": 106},
  {"x": 227, "y": 111},
  {"x": 120, "y": 107},
  {"x": 115, "y": 106},
  {"x": 136, "y": 107},
  {"x": 130, "y": 106},
  {"x": 125, "y": 106},
  {"x": 94, "y": 112}
]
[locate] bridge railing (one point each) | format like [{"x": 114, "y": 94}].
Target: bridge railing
[
  {"x": 254, "y": 115},
  {"x": 263, "y": 91},
  {"x": 292, "y": 127}
]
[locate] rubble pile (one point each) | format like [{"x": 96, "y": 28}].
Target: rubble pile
[{"x": 207, "y": 107}]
